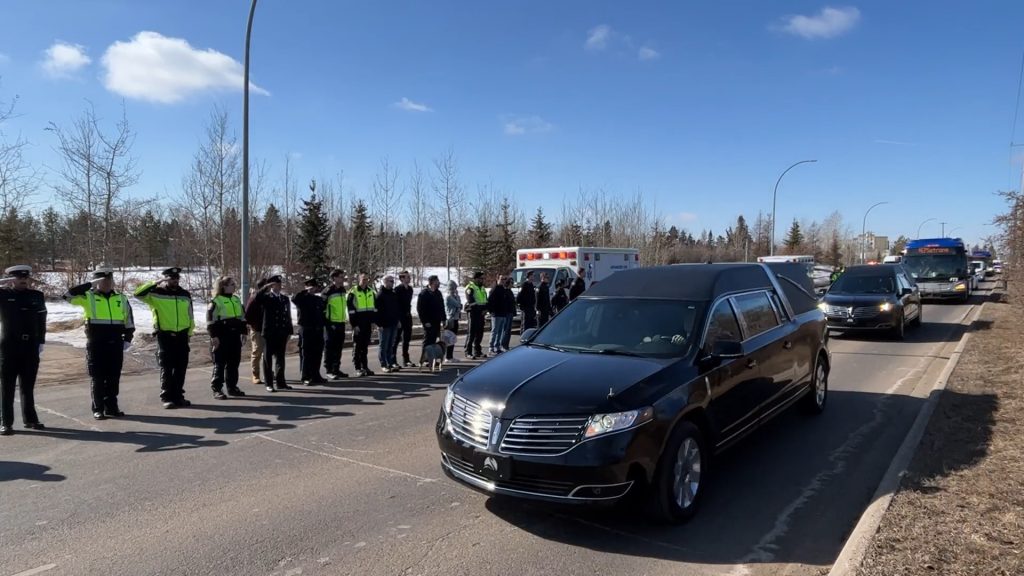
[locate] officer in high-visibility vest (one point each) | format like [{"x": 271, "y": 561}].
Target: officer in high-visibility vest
[
  {"x": 476, "y": 305},
  {"x": 337, "y": 316},
  {"x": 109, "y": 329},
  {"x": 362, "y": 310},
  {"x": 225, "y": 321},
  {"x": 174, "y": 323},
  {"x": 22, "y": 336}
]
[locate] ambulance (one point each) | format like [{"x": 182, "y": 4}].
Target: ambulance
[{"x": 562, "y": 264}]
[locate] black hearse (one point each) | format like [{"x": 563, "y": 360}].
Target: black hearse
[{"x": 635, "y": 386}]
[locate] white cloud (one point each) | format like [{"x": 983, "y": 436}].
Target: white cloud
[
  {"x": 63, "y": 59},
  {"x": 157, "y": 68},
  {"x": 520, "y": 125},
  {"x": 828, "y": 23},
  {"x": 598, "y": 37},
  {"x": 681, "y": 218},
  {"x": 646, "y": 54},
  {"x": 410, "y": 106},
  {"x": 894, "y": 142}
]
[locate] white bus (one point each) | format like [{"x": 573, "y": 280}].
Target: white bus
[{"x": 770, "y": 259}]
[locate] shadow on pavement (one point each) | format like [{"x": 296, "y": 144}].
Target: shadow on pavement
[
  {"x": 146, "y": 441},
  {"x": 790, "y": 493},
  {"x": 27, "y": 471},
  {"x": 219, "y": 425}
]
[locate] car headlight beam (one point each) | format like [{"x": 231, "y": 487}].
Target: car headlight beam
[
  {"x": 885, "y": 307},
  {"x": 449, "y": 398},
  {"x": 614, "y": 422}
]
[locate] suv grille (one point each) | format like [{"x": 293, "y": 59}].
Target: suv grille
[
  {"x": 470, "y": 422},
  {"x": 861, "y": 312},
  {"x": 543, "y": 435}
]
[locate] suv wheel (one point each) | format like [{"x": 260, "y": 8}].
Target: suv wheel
[
  {"x": 682, "y": 472},
  {"x": 814, "y": 401}
]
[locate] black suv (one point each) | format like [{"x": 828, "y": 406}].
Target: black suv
[
  {"x": 635, "y": 385},
  {"x": 873, "y": 297}
]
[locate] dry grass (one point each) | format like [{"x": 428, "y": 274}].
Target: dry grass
[{"x": 960, "y": 509}]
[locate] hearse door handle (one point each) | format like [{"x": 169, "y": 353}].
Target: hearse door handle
[
  {"x": 751, "y": 364},
  {"x": 787, "y": 345}
]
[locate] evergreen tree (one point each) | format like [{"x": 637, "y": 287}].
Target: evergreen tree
[
  {"x": 540, "y": 231},
  {"x": 505, "y": 242},
  {"x": 741, "y": 233},
  {"x": 574, "y": 234},
  {"x": 362, "y": 237},
  {"x": 481, "y": 251},
  {"x": 314, "y": 237},
  {"x": 794, "y": 238},
  {"x": 52, "y": 235},
  {"x": 835, "y": 257}
]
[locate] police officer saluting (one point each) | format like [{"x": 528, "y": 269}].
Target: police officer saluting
[
  {"x": 225, "y": 321},
  {"x": 109, "y": 328},
  {"x": 174, "y": 323},
  {"x": 277, "y": 330},
  {"x": 312, "y": 318},
  {"x": 23, "y": 323}
]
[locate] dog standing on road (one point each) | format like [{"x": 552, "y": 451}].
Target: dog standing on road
[{"x": 432, "y": 357}]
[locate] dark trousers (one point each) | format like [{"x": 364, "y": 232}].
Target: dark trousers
[
  {"x": 104, "y": 357},
  {"x": 226, "y": 359},
  {"x": 311, "y": 349},
  {"x": 273, "y": 359},
  {"x": 361, "y": 333},
  {"x": 529, "y": 319},
  {"x": 453, "y": 325},
  {"x": 19, "y": 364},
  {"x": 542, "y": 317},
  {"x": 474, "y": 341},
  {"x": 404, "y": 337},
  {"x": 335, "y": 342},
  {"x": 172, "y": 355}
]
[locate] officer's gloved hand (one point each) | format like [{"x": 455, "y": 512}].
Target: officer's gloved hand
[{"x": 126, "y": 346}]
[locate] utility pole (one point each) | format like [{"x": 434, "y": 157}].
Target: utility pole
[
  {"x": 245, "y": 160},
  {"x": 943, "y": 228},
  {"x": 775, "y": 193}
]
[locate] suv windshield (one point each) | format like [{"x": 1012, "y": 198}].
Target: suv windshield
[
  {"x": 935, "y": 267},
  {"x": 876, "y": 284},
  {"x": 655, "y": 328}
]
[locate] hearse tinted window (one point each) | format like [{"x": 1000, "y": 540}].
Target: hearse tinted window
[
  {"x": 722, "y": 326},
  {"x": 757, "y": 313}
]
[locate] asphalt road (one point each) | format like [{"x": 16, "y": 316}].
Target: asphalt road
[{"x": 345, "y": 479}]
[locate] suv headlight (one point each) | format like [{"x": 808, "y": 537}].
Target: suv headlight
[
  {"x": 608, "y": 423},
  {"x": 885, "y": 307}
]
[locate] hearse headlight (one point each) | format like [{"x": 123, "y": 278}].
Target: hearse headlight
[
  {"x": 449, "y": 397},
  {"x": 608, "y": 423},
  {"x": 960, "y": 287},
  {"x": 823, "y": 306},
  {"x": 885, "y": 307}
]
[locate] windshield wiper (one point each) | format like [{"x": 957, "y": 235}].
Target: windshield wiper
[
  {"x": 545, "y": 346},
  {"x": 610, "y": 352}
]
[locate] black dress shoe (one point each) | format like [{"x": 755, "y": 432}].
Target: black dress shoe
[
  {"x": 284, "y": 387},
  {"x": 307, "y": 382},
  {"x": 115, "y": 413},
  {"x": 182, "y": 403},
  {"x": 271, "y": 389},
  {"x": 35, "y": 426},
  {"x": 99, "y": 416},
  {"x": 220, "y": 395},
  {"x": 168, "y": 405},
  {"x": 6, "y": 431},
  {"x": 235, "y": 392}
]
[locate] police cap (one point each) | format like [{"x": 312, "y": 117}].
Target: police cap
[
  {"x": 172, "y": 272},
  {"x": 312, "y": 282},
  {"x": 275, "y": 279},
  {"x": 19, "y": 271},
  {"x": 100, "y": 273}
]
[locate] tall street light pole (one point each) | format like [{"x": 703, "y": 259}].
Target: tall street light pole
[
  {"x": 775, "y": 193},
  {"x": 864, "y": 231},
  {"x": 245, "y": 158},
  {"x": 922, "y": 224},
  {"x": 943, "y": 228}
]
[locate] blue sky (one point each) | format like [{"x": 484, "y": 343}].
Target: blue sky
[{"x": 699, "y": 106}]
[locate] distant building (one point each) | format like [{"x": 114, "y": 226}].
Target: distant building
[{"x": 877, "y": 244}]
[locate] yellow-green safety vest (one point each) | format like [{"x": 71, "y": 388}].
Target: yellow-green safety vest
[
  {"x": 337, "y": 307},
  {"x": 479, "y": 294},
  {"x": 171, "y": 313},
  {"x": 227, "y": 307},
  {"x": 365, "y": 300},
  {"x": 110, "y": 309}
]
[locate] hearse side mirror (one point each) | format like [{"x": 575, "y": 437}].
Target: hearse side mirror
[
  {"x": 726, "y": 349},
  {"x": 527, "y": 335},
  {"x": 906, "y": 292}
]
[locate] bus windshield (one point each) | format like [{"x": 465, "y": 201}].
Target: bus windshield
[{"x": 936, "y": 266}]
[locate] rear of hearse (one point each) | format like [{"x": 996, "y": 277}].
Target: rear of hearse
[{"x": 558, "y": 421}]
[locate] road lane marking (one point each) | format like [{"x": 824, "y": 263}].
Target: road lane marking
[
  {"x": 72, "y": 418},
  {"x": 39, "y": 570},
  {"x": 344, "y": 459},
  {"x": 764, "y": 550}
]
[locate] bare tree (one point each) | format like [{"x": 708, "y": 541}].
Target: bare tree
[
  {"x": 18, "y": 179},
  {"x": 289, "y": 197},
  {"x": 419, "y": 216},
  {"x": 446, "y": 187},
  {"x": 386, "y": 202}
]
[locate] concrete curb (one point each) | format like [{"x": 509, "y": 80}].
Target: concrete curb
[{"x": 857, "y": 545}]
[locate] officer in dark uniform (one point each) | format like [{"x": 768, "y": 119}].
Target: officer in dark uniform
[
  {"x": 174, "y": 323},
  {"x": 543, "y": 300},
  {"x": 277, "y": 330},
  {"x": 312, "y": 319},
  {"x": 527, "y": 301},
  {"x": 23, "y": 323},
  {"x": 109, "y": 328}
]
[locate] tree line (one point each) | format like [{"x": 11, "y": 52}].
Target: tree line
[{"x": 425, "y": 215}]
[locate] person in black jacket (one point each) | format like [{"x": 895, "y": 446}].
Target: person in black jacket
[
  {"x": 579, "y": 285},
  {"x": 23, "y": 334},
  {"x": 430, "y": 308},
  {"x": 225, "y": 321},
  {"x": 497, "y": 305},
  {"x": 312, "y": 310},
  {"x": 543, "y": 300},
  {"x": 277, "y": 330},
  {"x": 510, "y": 307},
  {"x": 527, "y": 301},
  {"x": 404, "y": 335},
  {"x": 560, "y": 299},
  {"x": 389, "y": 316}
]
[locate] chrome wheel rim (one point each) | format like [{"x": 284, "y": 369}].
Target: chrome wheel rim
[
  {"x": 687, "y": 473},
  {"x": 820, "y": 385}
]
